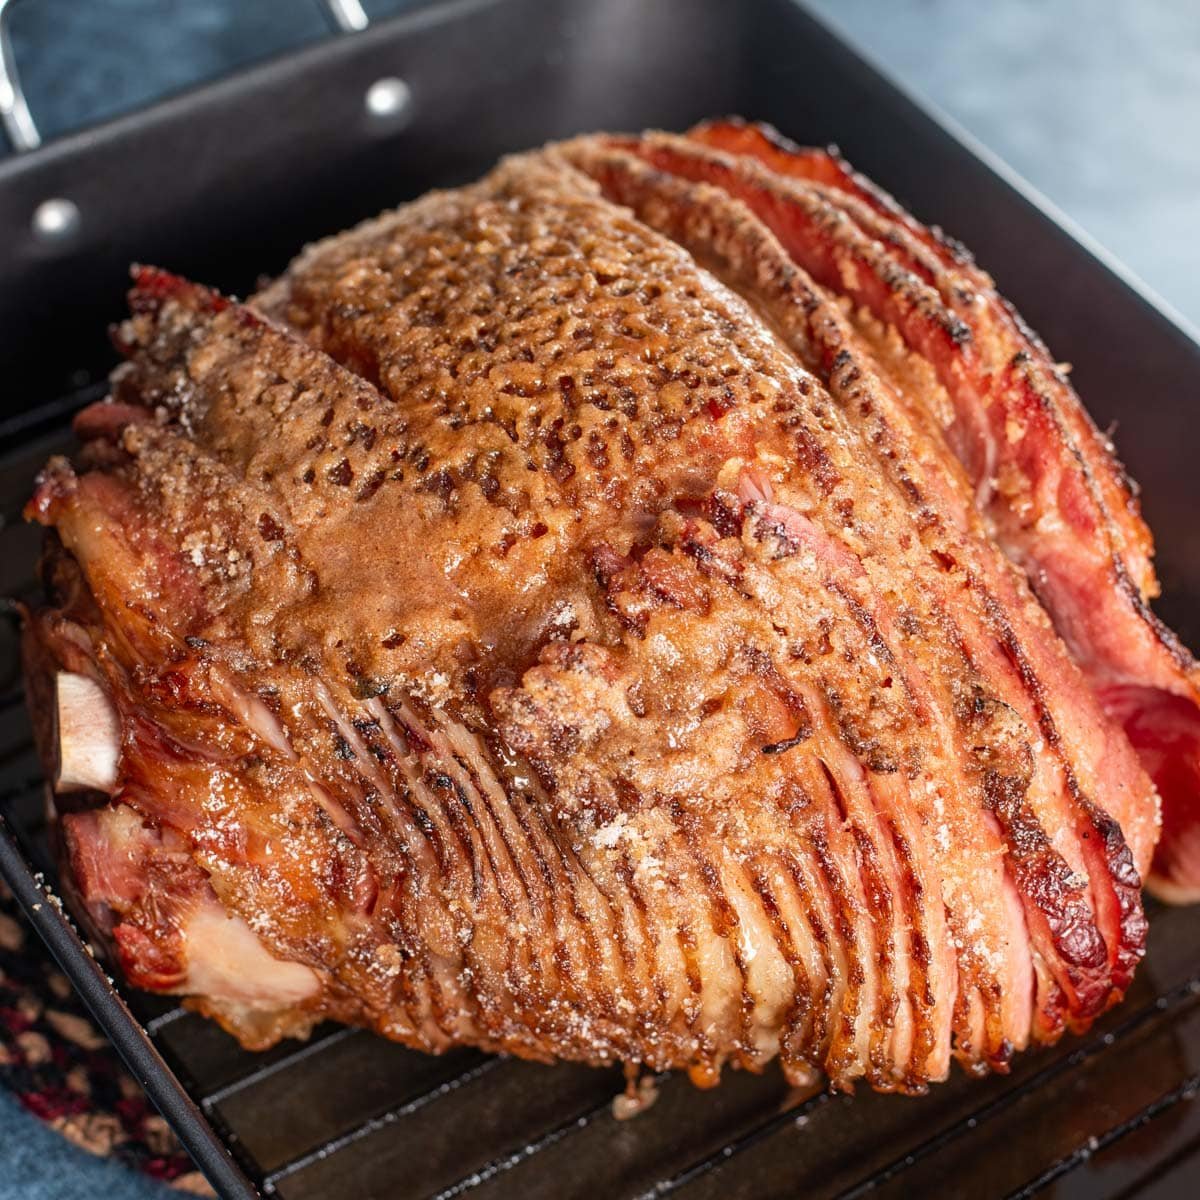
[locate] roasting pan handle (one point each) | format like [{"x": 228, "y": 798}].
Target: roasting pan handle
[
  {"x": 18, "y": 121},
  {"x": 347, "y": 16}
]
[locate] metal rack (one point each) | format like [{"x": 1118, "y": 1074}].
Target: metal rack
[{"x": 1110, "y": 1114}]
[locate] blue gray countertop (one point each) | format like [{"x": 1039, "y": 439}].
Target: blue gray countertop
[{"x": 1096, "y": 102}]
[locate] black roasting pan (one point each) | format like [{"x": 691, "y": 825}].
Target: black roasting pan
[{"x": 224, "y": 183}]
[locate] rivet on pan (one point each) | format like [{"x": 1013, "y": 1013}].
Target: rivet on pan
[
  {"x": 56, "y": 220},
  {"x": 388, "y": 97}
]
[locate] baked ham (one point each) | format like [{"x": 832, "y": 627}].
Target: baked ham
[{"x": 656, "y": 604}]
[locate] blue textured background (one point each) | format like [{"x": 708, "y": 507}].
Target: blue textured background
[{"x": 1096, "y": 102}]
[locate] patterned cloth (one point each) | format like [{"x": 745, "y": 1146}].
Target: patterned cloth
[{"x": 62, "y": 1069}]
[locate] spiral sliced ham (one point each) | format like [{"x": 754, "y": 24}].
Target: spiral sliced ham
[
  {"x": 1055, "y": 497},
  {"x": 551, "y": 618}
]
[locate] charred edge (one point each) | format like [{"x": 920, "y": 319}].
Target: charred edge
[
  {"x": 574, "y": 874},
  {"x": 1021, "y": 374},
  {"x": 921, "y": 992},
  {"x": 742, "y": 177},
  {"x": 504, "y": 883},
  {"x": 788, "y": 743},
  {"x": 548, "y": 892},
  {"x": 1126, "y": 484},
  {"x": 803, "y": 196},
  {"x": 848, "y": 180},
  {"x": 153, "y": 287},
  {"x": 648, "y": 941},
  {"x": 1117, "y": 856},
  {"x": 1045, "y": 880},
  {"x": 686, "y": 938},
  {"x": 1127, "y": 889},
  {"x": 1163, "y": 635}
]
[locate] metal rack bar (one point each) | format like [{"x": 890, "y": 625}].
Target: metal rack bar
[
  {"x": 1160, "y": 1169},
  {"x": 1187, "y": 1090},
  {"x": 506, "y": 1162},
  {"x": 156, "y": 1025},
  {"x": 736, "y": 1146},
  {"x": 266, "y": 1070},
  {"x": 446, "y": 1088}
]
